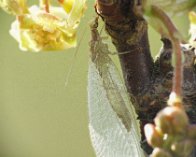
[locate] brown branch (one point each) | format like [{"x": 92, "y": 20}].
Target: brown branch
[{"x": 129, "y": 34}]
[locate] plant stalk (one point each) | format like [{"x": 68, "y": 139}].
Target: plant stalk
[{"x": 175, "y": 39}]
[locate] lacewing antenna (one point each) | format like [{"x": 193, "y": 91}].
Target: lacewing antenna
[{"x": 73, "y": 59}]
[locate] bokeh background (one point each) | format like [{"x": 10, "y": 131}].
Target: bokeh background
[{"x": 39, "y": 115}]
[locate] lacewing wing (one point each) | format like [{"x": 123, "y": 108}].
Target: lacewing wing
[{"x": 114, "y": 130}]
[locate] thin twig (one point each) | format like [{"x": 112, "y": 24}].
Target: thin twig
[{"x": 175, "y": 38}]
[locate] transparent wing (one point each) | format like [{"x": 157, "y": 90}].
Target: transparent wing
[{"x": 113, "y": 127}]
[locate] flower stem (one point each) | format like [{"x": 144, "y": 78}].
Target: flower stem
[
  {"x": 45, "y": 4},
  {"x": 175, "y": 39}
]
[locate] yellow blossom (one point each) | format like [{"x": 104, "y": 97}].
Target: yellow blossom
[
  {"x": 39, "y": 30},
  {"x": 15, "y": 7}
]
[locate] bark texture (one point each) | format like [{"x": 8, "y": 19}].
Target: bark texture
[{"x": 148, "y": 82}]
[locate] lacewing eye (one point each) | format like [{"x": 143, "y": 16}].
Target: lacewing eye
[{"x": 113, "y": 127}]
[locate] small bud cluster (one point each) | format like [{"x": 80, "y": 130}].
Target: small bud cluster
[
  {"x": 44, "y": 27},
  {"x": 172, "y": 135}
]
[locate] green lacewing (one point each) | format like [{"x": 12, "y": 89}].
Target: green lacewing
[{"x": 114, "y": 129}]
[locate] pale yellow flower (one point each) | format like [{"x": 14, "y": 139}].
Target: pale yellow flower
[
  {"x": 15, "y": 7},
  {"x": 56, "y": 30}
]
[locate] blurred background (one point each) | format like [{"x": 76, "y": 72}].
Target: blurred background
[{"x": 39, "y": 115}]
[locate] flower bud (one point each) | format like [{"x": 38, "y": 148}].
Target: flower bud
[
  {"x": 158, "y": 152},
  {"x": 175, "y": 100},
  {"x": 183, "y": 148},
  {"x": 172, "y": 120},
  {"x": 153, "y": 137}
]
